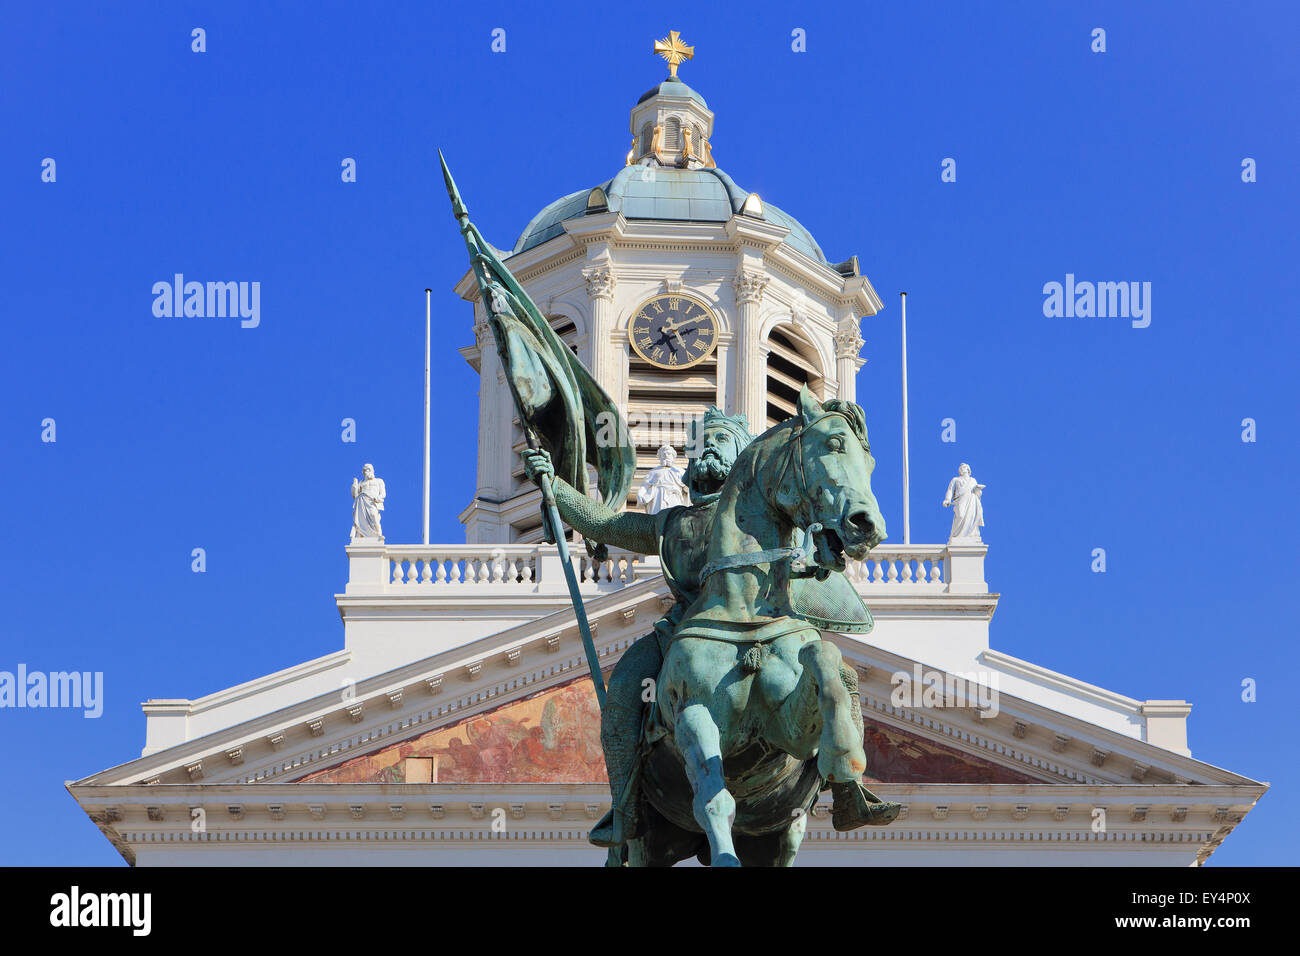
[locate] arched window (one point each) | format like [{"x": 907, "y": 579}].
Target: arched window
[
  {"x": 697, "y": 140},
  {"x": 566, "y": 329},
  {"x": 647, "y": 137},
  {"x": 792, "y": 362}
]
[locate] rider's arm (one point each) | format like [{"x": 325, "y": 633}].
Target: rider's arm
[{"x": 629, "y": 530}]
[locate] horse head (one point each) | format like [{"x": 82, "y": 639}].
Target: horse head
[{"x": 826, "y": 479}]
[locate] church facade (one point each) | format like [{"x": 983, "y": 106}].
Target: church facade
[{"x": 457, "y": 724}]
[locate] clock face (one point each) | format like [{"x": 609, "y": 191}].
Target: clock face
[{"x": 673, "y": 331}]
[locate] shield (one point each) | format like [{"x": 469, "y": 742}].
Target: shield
[{"x": 831, "y": 605}]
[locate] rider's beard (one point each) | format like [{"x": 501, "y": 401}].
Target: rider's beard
[{"x": 709, "y": 473}]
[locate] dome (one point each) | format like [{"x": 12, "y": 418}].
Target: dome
[
  {"x": 682, "y": 195},
  {"x": 673, "y": 87}
]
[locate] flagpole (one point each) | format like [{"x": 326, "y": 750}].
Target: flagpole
[
  {"x": 552, "y": 515},
  {"x": 427, "y": 329},
  {"x": 907, "y": 518},
  {"x": 480, "y": 254}
]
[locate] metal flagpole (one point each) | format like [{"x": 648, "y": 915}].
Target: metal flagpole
[
  {"x": 907, "y": 518},
  {"x": 427, "y": 329}
]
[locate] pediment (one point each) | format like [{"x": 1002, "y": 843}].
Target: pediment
[
  {"x": 510, "y": 722},
  {"x": 517, "y": 707},
  {"x": 553, "y": 736}
]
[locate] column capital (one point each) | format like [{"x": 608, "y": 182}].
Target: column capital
[
  {"x": 848, "y": 342},
  {"x": 601, "y": 282},
  {"x": 749, "y": 284}
]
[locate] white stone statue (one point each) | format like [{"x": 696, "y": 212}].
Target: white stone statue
[
  {"x": 964, "y": 494},
  {"x": 663, "y": 486},
  {"x": 367, "y": 502}
]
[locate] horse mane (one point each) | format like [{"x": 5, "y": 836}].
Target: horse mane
[
  {"x": 852, "y": 412},
  {"x": 749, "y": 455},
  {"x": 856, "y": 416}
]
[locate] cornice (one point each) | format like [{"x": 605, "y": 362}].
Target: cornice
[
  {"x": 1042, "y": 675},
  {"x": 1197, "y": 818},
  {"x": 254, "y": 687},
  {"x": 530, "y": 657},
  {"x": 1027, "y": 736}
]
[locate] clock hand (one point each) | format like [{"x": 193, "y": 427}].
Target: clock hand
[
  {"x": 676, "y": 330},
  {"x": 690, "y": 325}
]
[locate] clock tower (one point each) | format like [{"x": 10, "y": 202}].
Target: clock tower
[{"x": 678, "y": 289}]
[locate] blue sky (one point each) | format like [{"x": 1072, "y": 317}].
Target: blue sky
[{"x": 174, "y": 434}]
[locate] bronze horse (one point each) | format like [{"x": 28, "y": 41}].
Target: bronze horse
[{"x": 753, "y": 715}]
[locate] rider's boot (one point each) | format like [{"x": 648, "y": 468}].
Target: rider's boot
[{"x": 853, "y": 805}]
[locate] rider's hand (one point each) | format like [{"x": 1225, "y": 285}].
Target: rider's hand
[{"x": 536, "y": 462}]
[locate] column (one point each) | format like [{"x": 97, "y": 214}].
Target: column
[
  {"x": 606, "y": 363},
  {"x": 751, "y": 366},
  {"x": 848, "y": 343},
  {"x": 722, "y": 355}
]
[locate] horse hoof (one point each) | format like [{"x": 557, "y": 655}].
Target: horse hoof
[{"x": 725, "y": 859}]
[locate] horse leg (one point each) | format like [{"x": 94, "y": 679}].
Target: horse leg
[
  {"x": 664, "y": 843},
  {"x": 819, "y": 715},
  {"x": 791, "y": 839},
  {"x": 714, "y": 808},
  {"x": 773, "y": 849}
]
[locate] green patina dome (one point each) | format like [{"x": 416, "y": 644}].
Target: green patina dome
[
  {"x": 659, "y": 192},
  {"x": 673, "y": 87}
]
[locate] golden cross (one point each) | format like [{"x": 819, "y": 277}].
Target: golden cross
[{"x": 672, "y": 49}]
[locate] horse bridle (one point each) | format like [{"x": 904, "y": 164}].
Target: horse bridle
[{"x": 804, "y": 552}]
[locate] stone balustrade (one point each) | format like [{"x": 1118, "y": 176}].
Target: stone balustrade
[
  {"x": 410, "y": 568},
  {"x": 406, "y": 568},
  {"x": 442, "y": 564},
  {"x": 918, "y": 565}
]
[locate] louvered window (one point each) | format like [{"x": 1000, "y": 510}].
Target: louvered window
[
  {"x": 791, "y": 363},
  {"x": 672, "y": 134}
]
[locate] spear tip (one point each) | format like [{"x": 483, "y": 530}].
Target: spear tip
[{"x": 457, "y": 205}]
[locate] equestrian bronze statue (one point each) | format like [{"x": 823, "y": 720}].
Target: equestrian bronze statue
[{"x": 722, "y": 726}]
